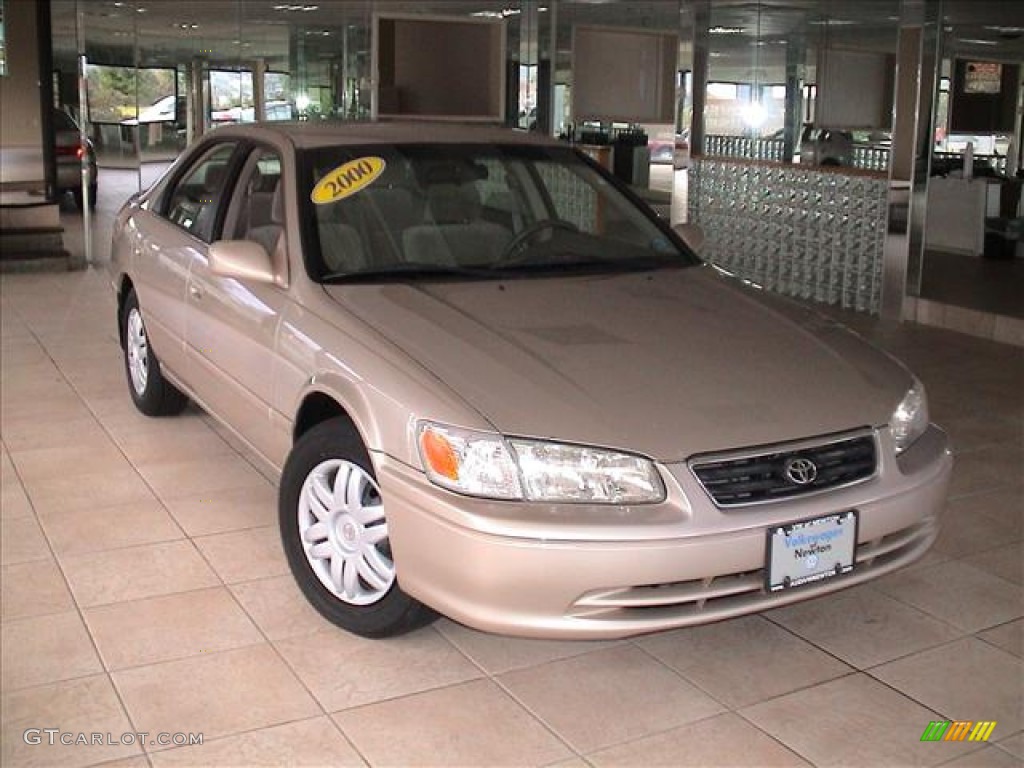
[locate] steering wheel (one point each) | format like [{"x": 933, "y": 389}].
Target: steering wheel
[{"x": 518, "y": 242}]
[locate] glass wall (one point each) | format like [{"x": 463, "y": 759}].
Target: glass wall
[{"x": 972, "y": 273}]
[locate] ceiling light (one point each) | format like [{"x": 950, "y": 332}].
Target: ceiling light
[
  {"x": 726, "y": 30},
  {"x": 976, "y": 41}
]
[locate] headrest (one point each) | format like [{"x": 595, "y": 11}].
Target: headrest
[
  {"x": 450, "y": 172},
  {"x": 214, "y": 178},
  {"x": 453, "y": 203}
]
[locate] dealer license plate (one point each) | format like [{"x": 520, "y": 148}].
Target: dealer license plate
[{"x": 811, "y": 550}]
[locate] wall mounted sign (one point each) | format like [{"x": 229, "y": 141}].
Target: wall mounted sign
[{"x": 983, "y": 77}]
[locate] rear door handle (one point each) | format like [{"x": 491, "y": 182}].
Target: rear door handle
[{"x": 195, "y": 291}]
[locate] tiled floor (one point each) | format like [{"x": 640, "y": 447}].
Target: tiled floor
[{"x": 144, "y": 590}]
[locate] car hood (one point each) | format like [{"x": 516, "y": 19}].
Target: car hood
[{"x": 666, "y": 364}]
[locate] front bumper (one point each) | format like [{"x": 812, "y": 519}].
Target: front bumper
[{"x": 576, "y": 571}]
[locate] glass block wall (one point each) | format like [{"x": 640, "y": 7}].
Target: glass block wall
[{"x": 798, "y": 231}]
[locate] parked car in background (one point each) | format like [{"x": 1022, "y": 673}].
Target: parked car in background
[
  {"x": 825, "y": 146},
  {"x": 274, "y": 110},
  {"x": 70, "y": 150},
  {"x": 499, "y": 388},
  {"x": 670, "y": 148}
]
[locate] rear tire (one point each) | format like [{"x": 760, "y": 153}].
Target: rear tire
[
  {"x": 335, "y": 535},
  {"x": 150, "y": 391}
]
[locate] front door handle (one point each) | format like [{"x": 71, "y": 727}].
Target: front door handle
[{"x": 195, "y": 291}]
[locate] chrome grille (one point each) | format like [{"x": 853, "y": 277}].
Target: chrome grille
[{"x": 753, "y": 479}]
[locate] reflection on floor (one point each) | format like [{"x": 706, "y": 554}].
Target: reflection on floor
[{"x": 990, "y": 285}]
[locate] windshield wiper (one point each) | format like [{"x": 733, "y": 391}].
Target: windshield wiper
[{"x": 400, "y": 272}]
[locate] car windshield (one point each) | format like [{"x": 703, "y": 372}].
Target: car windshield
[{"x": 447, "y": 211}]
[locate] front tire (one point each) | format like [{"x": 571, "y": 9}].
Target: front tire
[
  {"x": 334, "y": 528},
  {"x": 151, "y": 392}
]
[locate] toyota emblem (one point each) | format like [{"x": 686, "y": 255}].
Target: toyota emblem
[{"x": 801, "y": 471}]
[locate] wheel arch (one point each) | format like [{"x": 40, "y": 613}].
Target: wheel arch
[{"x": 319, "y": 404}]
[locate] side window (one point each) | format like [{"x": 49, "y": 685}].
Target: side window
[
  {"x": 193, "y": 202},
  {"x": 257, "y": 208}
]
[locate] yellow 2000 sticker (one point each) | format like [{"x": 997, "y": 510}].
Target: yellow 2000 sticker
[{"x": 347, "y": 179}]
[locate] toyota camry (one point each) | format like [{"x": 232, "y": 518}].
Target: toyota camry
[{"x": 498, "y": 387}]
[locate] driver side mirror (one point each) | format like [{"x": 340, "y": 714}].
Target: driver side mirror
[
  {"x": 692, "y": 235},
  {"x": 242, "y": 260}
]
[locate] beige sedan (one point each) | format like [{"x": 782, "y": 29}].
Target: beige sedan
[{"x": 500, "y": 388}]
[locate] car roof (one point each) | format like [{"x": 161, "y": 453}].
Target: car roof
[{"x": 327, "y": 133}]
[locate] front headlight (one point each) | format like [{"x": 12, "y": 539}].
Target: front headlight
[
  {"x": 910, "y": 419},
  {"x": 486, "y": 464}
]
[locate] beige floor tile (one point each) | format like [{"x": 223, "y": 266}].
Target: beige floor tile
[
  {"x": 498, "y": 653},
  {"x": 215, "y": 694},
  {"x": 96, "y": 382},
  {"x": 1009, "y": 637},
  {"x": 986, "y": 757},
  {"x": 81, "y": 531},
  {"x": 743, "y": 660},
  {"x": 974, "y": 430},
  {"x": 315, "y": 742},
  {"x": 608, "y": 696},
  {"x": 32, "y": 589},
  {"x": 168, "y": 446},
  {"x": 864, "y": 627},
  {"x": 474, "y": 723},
  {"x": 221, "y": 511},
  {"x": 23, "y": 351},
  {"x": 14, "y": 502},
  {"x": 386, "y": 669},
  {"x": 129, "y": 424},
  {"x": 1014, "y": 744},
  {"x": 957, "y": 594},
  {"x": 1000, "y": 507},
  {"x": 141, "y": 761},
  {"x": 852, "y": 721},
  {"x": 185, "y": 478},
  {"x": 87, "y": 705},
  {"x": 22, "y": 541},
  {"x": 46, "y": 411},
  {"x": 26, "y": 436},
  {"x": 1005, "y": 562},
  {"x": 966, "y": 679},
  {"x": 987, "y": 468},
  {"x": 725, "y": 740},
  {"x": 103, "y": 489},
  {"x": 38, "y": 465},
  {"x": 7, "y": 471},
  {"x": 100, "y": 351},
  {"x": 45, "y": 649},
  {"x": 279, "y": 608},
  {"x": 170, "y": 627},
  {"x": 253, "y": 553},
  {"x": 137, "y": 572},
  {"x": 967, "y": 530}
]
